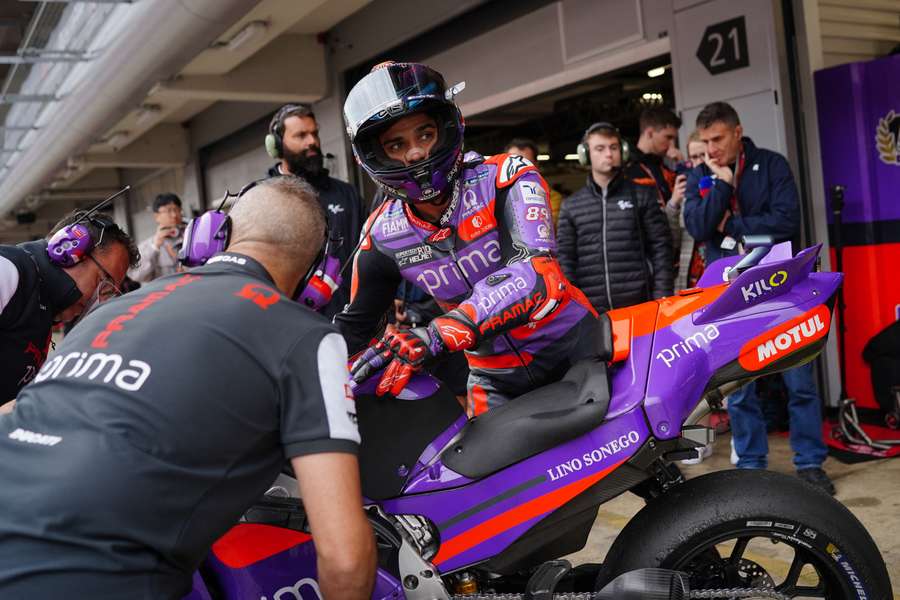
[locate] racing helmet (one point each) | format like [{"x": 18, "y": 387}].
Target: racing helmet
[{"x": 386, "y": 95}]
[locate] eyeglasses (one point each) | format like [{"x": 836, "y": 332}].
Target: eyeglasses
[
  {"x": 171, "y": 209},
  {"x": 107, "y": 288}
]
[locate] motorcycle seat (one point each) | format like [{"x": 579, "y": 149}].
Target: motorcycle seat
[{"x": 532, "y": 423}]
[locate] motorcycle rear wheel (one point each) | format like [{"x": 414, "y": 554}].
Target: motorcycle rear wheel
[{"x": 704, "y": 527}]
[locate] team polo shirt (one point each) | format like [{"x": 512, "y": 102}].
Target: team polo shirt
[{"x": 157, "y": 422}]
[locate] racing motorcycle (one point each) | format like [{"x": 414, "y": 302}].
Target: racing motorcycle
[{"x": 484, "y": 508}]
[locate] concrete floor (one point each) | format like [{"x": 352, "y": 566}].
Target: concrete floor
[{"x": 871, "y": 490}]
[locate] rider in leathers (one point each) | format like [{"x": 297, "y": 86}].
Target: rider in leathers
[{"x": 474, "y": 233}]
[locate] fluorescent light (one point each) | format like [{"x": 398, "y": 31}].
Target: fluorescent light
[
  {"x": 118, "y": 139},
  {"x": 656, "y": 72},
  {"x": 147, "y": 114},
  {"x": 571, "y": 157},
  {"x": 251, "y": 31},
  {"x": 543, "y": 157}
]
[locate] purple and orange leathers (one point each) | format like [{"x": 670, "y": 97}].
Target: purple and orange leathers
[{"x": 666, "y": 356}]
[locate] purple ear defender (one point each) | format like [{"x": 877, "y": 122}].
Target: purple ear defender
[
  {"x": 321, "y": 286},
  {"x": 205, "y": 236},
  {"x": 69, "y": 245}
]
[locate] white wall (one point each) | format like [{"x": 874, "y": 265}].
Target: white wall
[{"x": 751, "y": 90}]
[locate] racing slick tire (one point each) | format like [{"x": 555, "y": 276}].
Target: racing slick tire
[{"x": 680, "y": 530}]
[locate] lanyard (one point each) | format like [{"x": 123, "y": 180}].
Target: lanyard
[{"x": 739, "y": 169}]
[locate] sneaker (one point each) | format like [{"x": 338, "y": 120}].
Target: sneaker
[
  {"x": 704, "y": 452},
  {"x": 817, "y": 477}
]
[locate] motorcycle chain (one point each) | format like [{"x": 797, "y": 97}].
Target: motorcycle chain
[
  {"x": 730, "y": 594},
  {"x": 738, "y": 593}
]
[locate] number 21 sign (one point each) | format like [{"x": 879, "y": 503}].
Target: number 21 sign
[{"x": 724, "y": 46}]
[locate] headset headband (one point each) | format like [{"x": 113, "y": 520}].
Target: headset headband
[
  {"x": 600, "y": 125},
  {"x": 276, "y": 126}
]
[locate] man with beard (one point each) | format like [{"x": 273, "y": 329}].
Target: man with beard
[{"x": 294, "y": 139}]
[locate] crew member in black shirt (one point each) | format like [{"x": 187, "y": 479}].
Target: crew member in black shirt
[
  {"x": 127, "y": 458},
  {"x": 35, "y": 293},
  {"x": 294, "y": 139}
]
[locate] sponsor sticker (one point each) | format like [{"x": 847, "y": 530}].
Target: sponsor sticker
[
  {"x": 413, "y": 256},
  {"x": 470, "y": 181},
  {"x": 611, "y": 448},
  {"x": 512, "y": 165},
  {"x": 786, "y": 338},
  {"x": 762, "y": 286},
  {"x": 533, "y": 193},
  {"x": 30, "y": 437},
  {"x": 440, "y": 235},
  {"x": 887, "y": 138},
  {"x": 688, "y": 345},
  {"x": 394, "y": 227}
]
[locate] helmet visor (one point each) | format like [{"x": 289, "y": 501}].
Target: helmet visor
[{"x": 390, "y": 91}]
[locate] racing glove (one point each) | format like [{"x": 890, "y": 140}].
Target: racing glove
[
  {"x": 554, "y": 283},
  {"x": 406, "y": 351}
]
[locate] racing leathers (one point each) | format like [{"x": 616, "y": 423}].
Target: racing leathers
[{"x": 490, "y": 264}]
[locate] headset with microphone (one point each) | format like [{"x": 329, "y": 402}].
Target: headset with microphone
[
  {"x": 584, "y": 154},
  {"x": 72, "y": 243}
]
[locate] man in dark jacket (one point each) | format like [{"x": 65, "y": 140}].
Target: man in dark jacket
[
  {"x": 35, "y": 293},
  {"x": 739, "y": 190},
  {"x": 646, "y": 165},
  {"x": 294, "y": 139},
  {"x": 613, "y": 239},
  {"x": 744, "y": 190}
]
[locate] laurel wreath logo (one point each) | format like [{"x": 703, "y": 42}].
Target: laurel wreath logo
[{"x": 885, "y": 142}]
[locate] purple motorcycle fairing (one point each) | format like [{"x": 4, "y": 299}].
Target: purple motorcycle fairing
[
  {"x": 288, "y": 575},
  {"x": 480, "y": 519},
  {"x": 689, "y": 351}
]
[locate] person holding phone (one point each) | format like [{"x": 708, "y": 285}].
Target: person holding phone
[{"x": 159, "y": 252}]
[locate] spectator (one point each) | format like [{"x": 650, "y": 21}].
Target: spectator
[
  {"x": 527, "y": 148},
  {"x": 294, "y": 140},
  {"x": 36, "y": 292},
  {"x": 691, "y": 259},
  {"x": 659, "y": 129},
  {"x": 620, "y": 252},
  {"x": 147, "y": 455},
  {"x": 751, "y": 191},
  {"x": 159, "y": 253}
]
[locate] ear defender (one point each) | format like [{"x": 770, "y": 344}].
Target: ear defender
[
  {"x": 584, "y": 155},
  {"x": 68, "y": 246},
  {"x": 276, "y": 130},
  {"x": 204, "y": 237},
  {"x": 273, "y": 146}
]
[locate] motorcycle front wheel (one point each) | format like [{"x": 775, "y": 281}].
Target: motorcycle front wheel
[{"x": 753, "y": 528}]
